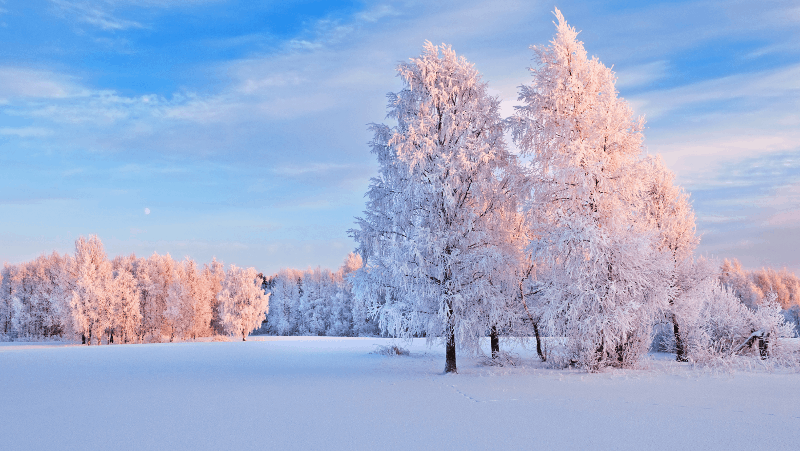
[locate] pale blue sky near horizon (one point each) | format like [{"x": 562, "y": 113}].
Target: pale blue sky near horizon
[{"x": 242, "y": 126}]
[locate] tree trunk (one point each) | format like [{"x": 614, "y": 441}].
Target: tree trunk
[
  {"x": 494, "y": 341},
  {"x": 680, "y": 350},
  {"x": 763, "y": 346},
  {"x": 83, "y": 339},
  {"x": 538, "y": 342},
  {"x": 450, "y": 351}
]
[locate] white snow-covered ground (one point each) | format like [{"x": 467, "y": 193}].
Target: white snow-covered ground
[{"x": 332, "y": 393}]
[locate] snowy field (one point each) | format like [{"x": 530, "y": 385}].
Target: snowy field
[{"x": 331, "y": 393}]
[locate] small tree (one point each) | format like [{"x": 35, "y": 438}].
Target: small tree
[
  {"x": 441, "y": 215},
  {"x": 242, "y": 301}
]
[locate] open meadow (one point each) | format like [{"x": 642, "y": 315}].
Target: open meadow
[{"x": 301, "y": 393}]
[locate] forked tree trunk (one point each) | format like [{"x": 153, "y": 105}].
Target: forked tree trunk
[
  {"x": 450, "y": 351},
  {"x": 494, "y": 341}
]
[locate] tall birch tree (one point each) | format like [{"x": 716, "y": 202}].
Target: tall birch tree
[{"x": 436, "y": 233}]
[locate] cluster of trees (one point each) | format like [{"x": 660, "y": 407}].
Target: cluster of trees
[
  {"x": 753, "y": 287},
  {"x": 127, "y": 299},
  {"x": 582, "y": 236},
  {"x": 317, "y": 302}
]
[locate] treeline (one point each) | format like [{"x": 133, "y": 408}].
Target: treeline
[
  {"x": 757, "y": 287},
  {"x": 90, "y": 298},
  {"x": 317, "y": 302},
  {"x": 753, "y": 287}
]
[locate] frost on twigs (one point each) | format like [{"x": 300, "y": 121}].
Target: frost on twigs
[{"x": 390, "y": 350}]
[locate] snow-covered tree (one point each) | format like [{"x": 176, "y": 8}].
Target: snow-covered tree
[
  {"x": 440, "y": 213},
  {"x": 671, "y": 216},
  {"x": 243, "y": 303},
  {"x": 43, "y": 297},
  {"x": 92, "y": 294},
  {"x": 7, "y": 300},
  {"x": 154, "y": 277},
  {"x": 285, "y": 292},
  {"x": 127, "y": 300},
  {"x": 189, "y": 301},
  {"x": 596, "y": 280},
  {"x": 213, "y": 275}
]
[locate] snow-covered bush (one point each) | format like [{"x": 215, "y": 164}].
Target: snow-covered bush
[
  {"x": 717, "y": 325},
  {"x": 391, "y": 350}
]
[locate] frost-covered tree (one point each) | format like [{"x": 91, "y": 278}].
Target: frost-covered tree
[
  {"x": 92, "y": 294},
  {"x": 596, "y": 280},
  {"x": 243, "y": 303},
  {"x": 43, "y": 294},
  {"x": 127, "y": 300},
  {"x": 154, "y": 277},
  {"x": 716, "y": 324},
  {"x": 6, "y": 300},
  {"x": 753, "y": 287},
  {"x": 284, "y": 298},
  {"x": 189, "y": 301},
  {"x": 436, "y": 225},
  {"x": 213, "y": 275},
  {"x": 671, "y": 216}
]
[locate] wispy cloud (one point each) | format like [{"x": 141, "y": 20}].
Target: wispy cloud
[
  {"x": 25, "y": 132},
  {"x": 760, "y": 87},
  {"x": 94, "y": 13},
  {"x": 311, "y": 169},
  {"x": 20, "y": 82},
  {"x": 642, "y": 75}
]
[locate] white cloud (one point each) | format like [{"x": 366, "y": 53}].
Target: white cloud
[
  {"x": 94, "y": 14},
  {"x": 20, "y": 82},
  {"x": 781, "y": 84},
  {"x": 313, "y": 168},
  {"x": 377, "y": 13},
  {"x": 641, "y": 75},
  {"x": 25, "y": 132}
]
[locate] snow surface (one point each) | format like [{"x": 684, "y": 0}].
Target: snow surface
[{"x": 287, "y": 393}]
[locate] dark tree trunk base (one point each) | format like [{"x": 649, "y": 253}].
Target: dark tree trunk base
[
  {"x": 680, "y": 351},
  {"x": 450, "y": 352},
  {"x": 494, "y": 341}
]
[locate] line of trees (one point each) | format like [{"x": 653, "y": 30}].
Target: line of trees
[
  {"x": 317, "y": 302},
  {"x": 89, "y": 298},
  {"x": 581, "y": 236}
]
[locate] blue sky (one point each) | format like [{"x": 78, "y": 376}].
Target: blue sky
[{"x": 242, "y": 126}]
